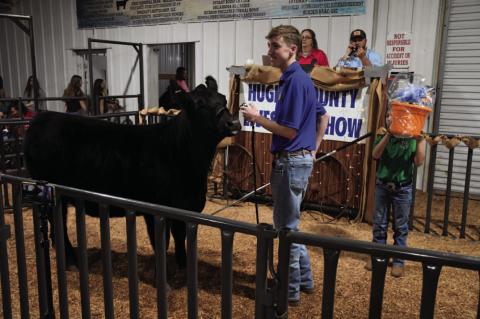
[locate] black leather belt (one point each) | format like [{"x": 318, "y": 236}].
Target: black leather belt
[
  {"x": 301, "y": 152},
  {"x": 394, "y": 185}
]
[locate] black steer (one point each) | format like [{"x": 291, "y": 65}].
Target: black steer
[{"x": 164, "y": 163}]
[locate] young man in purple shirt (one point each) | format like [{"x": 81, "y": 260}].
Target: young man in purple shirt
[{"x": 298, "y": 130}]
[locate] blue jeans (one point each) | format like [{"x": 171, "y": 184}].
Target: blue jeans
[
  {"x": 289, "y": 182},
  {"x": 401, "y": 201}
]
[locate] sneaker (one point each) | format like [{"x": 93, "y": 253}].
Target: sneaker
[
  {"x": 307, "y": 290},
  {"x": 368, "y": 264},
  {"x": 293, "y": 302},
  {"x": 398, "y": 271}
]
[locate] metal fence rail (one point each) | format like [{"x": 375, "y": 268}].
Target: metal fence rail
[
  {"x": 263, "y": 233},
  {"x": 271, "y": 296},
  {"x": 432, "y": 264},
  {"x": 448, "y": 189}
]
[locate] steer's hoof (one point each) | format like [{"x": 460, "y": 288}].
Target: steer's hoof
[
  {"x": 168, "y": 288},
  {"x": 180, "y": 279},
  {"x": 72, "y": 267}
]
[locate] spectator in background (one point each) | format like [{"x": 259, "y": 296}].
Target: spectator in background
[
  {"x": 74, "y": 89},
  {"x": 28, "y": 94},
  {"x": 99, "y": 90},
  {"x": 310, "y": 53},
  {"x": 18, "y": 110},
  {"x": 357, "y": 54},
  {"x": 181, "y": 78}
]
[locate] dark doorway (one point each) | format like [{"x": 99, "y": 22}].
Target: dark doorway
[{"x": 170, "y": 57}]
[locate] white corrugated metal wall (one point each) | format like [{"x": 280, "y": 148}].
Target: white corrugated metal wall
[
  {"x": 217, "y": 44},
  {"x": 460, "y": 103}
]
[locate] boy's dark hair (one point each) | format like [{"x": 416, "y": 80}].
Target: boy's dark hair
[{"x": 289, "y": 34}]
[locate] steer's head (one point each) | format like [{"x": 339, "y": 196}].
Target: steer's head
[{"x": 211, "y": 114}]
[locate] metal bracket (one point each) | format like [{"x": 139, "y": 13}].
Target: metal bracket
[
  {"x": 39, "y": 193},
  {"x": 377, "y": 72},
  {"x": 282, "y": 316},
  {"x": 237, "y": 70}
]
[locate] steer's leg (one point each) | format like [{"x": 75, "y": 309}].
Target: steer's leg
[
  {"x": 70, "y": 257},
  {"x": 150, "y": 222},
  {"x": 179, "y": 233}
]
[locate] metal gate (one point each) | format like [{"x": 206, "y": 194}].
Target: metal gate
[{"x": 271, "y": 296}]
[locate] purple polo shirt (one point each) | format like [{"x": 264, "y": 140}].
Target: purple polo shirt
[{"x": 297, "y": 107}]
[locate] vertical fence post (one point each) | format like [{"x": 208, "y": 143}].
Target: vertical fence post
[
  {"x": 59, "y": 229},
  {"x": 192, "y": 270},
  {"x": 83, "y": 258},
  {"x": 20, "y": 249},
  {"x": 40, "y": 258},
  {"x": 227, "y": 273},
  {"x": 4, "y": 268},
  {"x": 329, "y": 279},
  {"x": 161, "y": 266},
  {"x": 132, "y": 263},
  {"x": 90, "y": 77},
  {"x": 6, "y": 196},
  {"x": 448, "y": 194},
  {"x": 106, "y": 261},
  {"x": 141, "y": 100},
  {"x": 261, "y": 269},
  {"x": 7, "y": 144},
  {"x": 379, "y": 269},
  {"x": 466, "y": 192},
  {"x": 431, "y": 179},
  {"x": 283, "y": 268},
  {"x": 431, "y": 273},
  {"x": 478, "y": 301},
  {"x": 414, "y": 191},
  {"x": 224, "y": 172},
  {"x": 34, "y": 63},
  {"x": 46, "y": 210},
  {"x": 18, "y": 156}
]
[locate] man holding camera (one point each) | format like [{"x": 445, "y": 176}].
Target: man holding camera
[{"x": 357, "y": 54}]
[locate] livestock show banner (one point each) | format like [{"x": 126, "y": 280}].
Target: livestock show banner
[
  {"x": 108, "y": 13},
  {"x": 347, "y": 110}
]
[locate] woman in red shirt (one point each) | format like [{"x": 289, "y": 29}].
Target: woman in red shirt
[{"x": 310, "y": 50}]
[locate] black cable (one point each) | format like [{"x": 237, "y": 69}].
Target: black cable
[
  {"x": 321, "y": 158},
  {"x": 254, "y": 164}
]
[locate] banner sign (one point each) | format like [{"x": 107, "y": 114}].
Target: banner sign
[
  {"x": 109, "y": 13},
  {"x": 399, "y": 50},
  {"x": 348, "y": 110}
]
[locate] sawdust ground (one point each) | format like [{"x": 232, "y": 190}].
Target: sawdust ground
[{"x": 457, "y": 296}]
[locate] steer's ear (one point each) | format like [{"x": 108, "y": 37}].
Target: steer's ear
[
  {"x": 186, "y": 102},
  {"x": 199, "y": 96}
]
